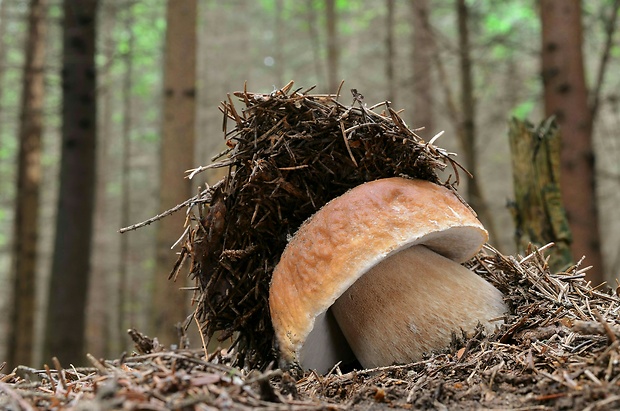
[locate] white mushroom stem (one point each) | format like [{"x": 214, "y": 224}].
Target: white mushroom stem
[
  {"x": 339, "y": 255},
  {"x": 410, "y": 304}
]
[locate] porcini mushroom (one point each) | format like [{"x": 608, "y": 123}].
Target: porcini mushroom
[{"x": 380, "y": 267}]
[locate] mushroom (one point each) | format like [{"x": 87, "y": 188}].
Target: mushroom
[{"x": 375, "y": 275}]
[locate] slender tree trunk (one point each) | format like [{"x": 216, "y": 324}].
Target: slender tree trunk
[
  {"x": 101, "y": 331},
  {"x": 279, "y": 43},
  {"x": 3, "y": 47},
  {"x": 475, "y": 196},
  {"x": 65, "y": 336},
  {"x": 390, "y": 51},
  {"x": 314, "y": 41},
  {"x": 5, "y": 250},
  {"x": 421, "y": 62},
  {"x": 177, "y": 154},
  {"x": 566, "y": 98},
  {"x": 123, "y": 262},
  {"x": 610, "y": 31},
  {"x": 333, "y": 81},
  {"x": 25, "y": 232}
]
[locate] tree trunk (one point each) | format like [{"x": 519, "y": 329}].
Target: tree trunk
[
  {"x": 64, "y": 336},
  {"x": 25, "y": 232},
  {"x": 5, "y": 249},
  {"x": 177, "y": 154},
  {"x": 279, "y": 43},
  {"x": 3, "y": 53},
  {"x": 467, "y": 129},
  {"x": 102, "y": 333},
  {"x": 538, "y": 212},
  {"x": 566, "y": 98},
  {"x": 390, "y": 51},
  {"x": 124, "y": 316},
  {"x": 314, "y": 42},
  {"x": 421, "y": 62},
  {"x": 333, "y": 82}
]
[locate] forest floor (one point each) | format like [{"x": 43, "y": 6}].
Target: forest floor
[{"x": 557, "y": 350}]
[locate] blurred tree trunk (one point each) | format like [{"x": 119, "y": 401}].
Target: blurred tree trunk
[
  {"x": 65, "y": 332},
  {"x": 124, "y": 315},
  {"x": 538, "y": 212},
  {"x": 566, "y": 98},
  {"x": 3, "y": 47},
  {"x": 333, "y": 81},
  {"x": 467, "y": 129},
  {"x": 101, "y": 331},
  {"x": 25, "y": 226},
  {"x": 314, "y": 41},
  {"x": 177, "y": 155},
  {"x": 279, "y": 43},
  {"x": 390, "y": 50},
  {"x": 421, "y": 63}
]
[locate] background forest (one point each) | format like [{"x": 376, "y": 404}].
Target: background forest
[{"x": 463, "y": 67}]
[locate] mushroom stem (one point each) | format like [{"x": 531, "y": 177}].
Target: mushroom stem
[{"x": 410, "y": 304}]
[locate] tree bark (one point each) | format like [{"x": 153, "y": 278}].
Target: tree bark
[
  {"x": 390, "y": 51},
  {"x": 177, "y": 155},
  {"x": 279, "y": 43},
  {"x": 123, "y": 285},
  {"x": 3, "y": 53},
  {"x": 566, "y": 98},
  {"x": 421, "y": 62},
  {"x": 538, "y": 212},
  {"x": 467, "y": 129},
  {"x": 64, "y": 335},
  {"x": 102, "y": 333},
  {"x": 25, "y": 227},
  {"x": 333, "y": 82},
  {"x": 314, "y": 42}
]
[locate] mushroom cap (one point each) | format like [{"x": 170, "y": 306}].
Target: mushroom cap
[{"x": 353, "y": 233}]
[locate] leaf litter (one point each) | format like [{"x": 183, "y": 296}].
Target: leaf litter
[{"x": 290, "y": 152}]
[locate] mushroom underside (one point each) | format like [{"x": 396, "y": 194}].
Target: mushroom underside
[{"x": 407, "y": 305}]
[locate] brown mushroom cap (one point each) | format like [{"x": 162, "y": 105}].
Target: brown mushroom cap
[{"x": 352, "y": 234}]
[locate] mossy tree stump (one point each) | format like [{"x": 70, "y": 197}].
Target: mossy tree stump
[{"x": 538, "y": 212}]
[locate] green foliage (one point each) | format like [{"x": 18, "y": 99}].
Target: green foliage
[
  {"x": 505, "y": 24},
  {"x": 524, "y": 109}
]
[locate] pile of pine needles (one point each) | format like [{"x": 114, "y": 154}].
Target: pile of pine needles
[
  {"x": 558, "y": 350},
  {"x": 289, "y": 152}
]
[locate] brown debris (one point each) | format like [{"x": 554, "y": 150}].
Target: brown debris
[
  {"x": 558, "y": 349},
  {"x": 289, "y": 153},
  {"x": 554, "y": 352},
  {"x": 162, "y": 380}
]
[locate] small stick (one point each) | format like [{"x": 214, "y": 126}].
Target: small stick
[
  {"x": 159, "y": 216},
  {"x": 49, "y": 375},
  {"x": 59, "y": 370},
  {"x": 608, "y": 331},
  {"x": 346, "y": 143},
  {"x": 98, "y": 365},
  {"x": 202, "y": 337},
  {"x": 339, "y": 89}
]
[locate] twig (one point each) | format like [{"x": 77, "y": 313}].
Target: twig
[
  {"x": 97, "y": 364},
  {"x": 160, "y": 216},
  {"x": 59, "y": 371},
  {"x": 608, "y": 331}
]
